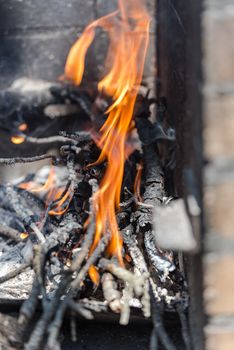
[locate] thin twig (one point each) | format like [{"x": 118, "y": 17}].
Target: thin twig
[
  {"x": 28, "y": 308},
  {"x": 51, "y": 139},
  {"x": 85, "y": 246},
  {"x": 137, "y": 282},
  {"x": 80, "y": 309},
  {"x": 26, "y": 215},
  {"x": 9, "y": 232},
  {"x": 17, "y": 271},
  {"x": 125, "y": 309},
  {"x": 14, "y": 160},
  {"x": 158, "y": 324},
  {"x": 91, "y": 260},
  {"x": 184, "y": 326},
  {"x": 111, "y": 294}
]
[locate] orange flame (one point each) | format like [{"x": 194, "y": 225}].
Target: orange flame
[
  {"x": 23, "y": 127},
  {"x": 137, "y": 182},
  {"x": 94, "y": 275},
  {"x": 128, "y": 31},
  {"x": 53, "y": 193},
  {"x": 58, "y": 209},
  {"x": 33, "y": 187},
  {"x": 17, "y": 140},
  {"x": 24, "y": 235}
]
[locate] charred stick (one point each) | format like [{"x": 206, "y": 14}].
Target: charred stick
[
  {"x": 145, "y": 300},
  {"x": 75, "y": 286},
  {"x": 85, "y": 246},
  {"x": 140, "y": 265},
  {"x": 73, "y": 327},
  {"x": 80, "y": 309},
  {"x": 37, "y": 232},
  {"x": 9, "y": 232},
  {"x": 125, "y": 310},
  {"x": 60, "y": 110},
  {"x": 137, "y": 282},
  {"x": 134, "y": 251},
  {"x": 26, "y": 215},
  {"x": 49, "y": 308},
  {"x": 55, "y": 326},
  {"x": 91, "y": 260},
  {"x": 159, "y": 262},
  {"x": 51, "y": 139},
  {"x": 158, "y": 324},
  {"x": 90, "y": 232},
  {"x": 153, "y": 196},
  {"x": 94, "y": 305},
  {"x": 29, "y": 306},
  {"x": 110, "y": 292},
  {"x": 52, "y": 204},
  {"x": 72, "y": 171},
  {"x": 39, "y": 264},
  {"x": 79, "y": 136},
  {"x": 154, "y": 179},
  {"x": 14, "y": 160},
  {"x": 184, "y": 326},
  {"x": 17, "y": 271},
  {"x": 153, "y": 340}
]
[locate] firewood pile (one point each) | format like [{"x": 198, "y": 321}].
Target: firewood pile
[{"x": 48, "y": 224}]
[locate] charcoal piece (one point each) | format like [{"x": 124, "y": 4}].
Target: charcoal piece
[
  {"x": 30, "y": 102},
  {"x": 10, "y": 218},
  {"x": 84, "y": 190},
  {"x": 9, "y": 232},
  {"x": 159, "y": 261},
  {"x": 130, "y": 172},
  {"x": 154, "y": 180},
  {"x": 11, "y": 334},
  {"x": 150, "y": 133},
  {"x": 75, "y": 95},
  {"x": 24, "y": 94},
  {"x": 27, "y": 201},
  {"x": 142, "y": 106},
  {"x": 60, "y": 110}
]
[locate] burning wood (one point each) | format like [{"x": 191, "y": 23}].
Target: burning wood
[{"x": 88, "y": 235}]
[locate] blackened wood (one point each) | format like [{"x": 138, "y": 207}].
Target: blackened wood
[
  {"x": 9, "y": 232},
  {"x": 10, "y": 161},
  {"x": 154, "y": 179}
]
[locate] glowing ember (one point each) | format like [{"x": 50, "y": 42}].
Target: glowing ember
[
  {"x": 17, "y": 140},
  {"x": 24, "y": 235},
  {"x": 128, "y": 32},
  {"x": 137, "y": 182},
  {"x": 23, "y": 127}
]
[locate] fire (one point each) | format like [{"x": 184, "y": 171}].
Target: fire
[
  {"x": 128, "y": 30},
  {"x": 53, "y": 193},
  {"x": 23, "y": 127},
  {"x": 17, "y": 140},
  {"x": 137, "y": 182},
  {"x": 24, "y": 235},
  {"x": 59, "y": 210}
]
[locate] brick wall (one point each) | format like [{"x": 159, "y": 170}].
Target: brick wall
[
  {"x": 218, "y": 110},
  {"x": 36, "y": 36}
]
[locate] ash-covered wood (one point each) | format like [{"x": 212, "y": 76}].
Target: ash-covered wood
[{"x": 54, "y": 234}]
